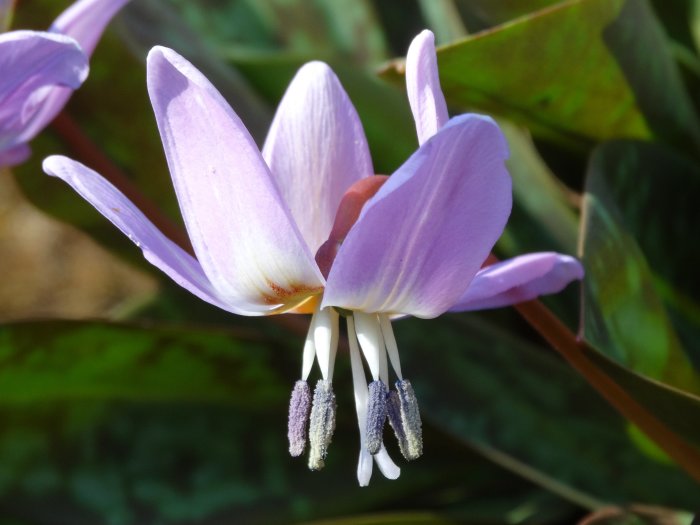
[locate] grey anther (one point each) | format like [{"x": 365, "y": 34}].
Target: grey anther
[
  {"x": 299, "y": 407},
  {"x": 393, "y": 412},
  {"x": 410, "y": 419},
  {"x": 322, "y": 424},
  {"x": 376, "y": 415}
]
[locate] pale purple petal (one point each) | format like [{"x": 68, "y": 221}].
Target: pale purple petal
[
  {"x": 157, "y": 248},
  {"x": 15, "y": 155},
  {"x": 241, "y": 231},
  {"x": 421, "y": 239},
  {"x": 316, "y": 149},
  {"x": 519, "y": 279},
  {"x": 86, "y": 20},
  {"x": 31, "y": 64},
  {"x": 423, "y": 87}
]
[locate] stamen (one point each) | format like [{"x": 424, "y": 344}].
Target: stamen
[
  {"x": 322, "y": 424},
  {"x": 410, "y": 419},
  {"x": 299, "y": 407},
  {"x": 326, "y": 332},
  {"x": 393, "y": 410},
  {"x": 376, "y": 415},
  {"x": 390, "y": 343},
  {"x": 309, "y": 350}
]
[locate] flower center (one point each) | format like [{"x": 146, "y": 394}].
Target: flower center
[{"x": 313, "y": 419}]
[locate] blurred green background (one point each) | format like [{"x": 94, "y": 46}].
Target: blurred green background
[{"x": 123, "y": 400}]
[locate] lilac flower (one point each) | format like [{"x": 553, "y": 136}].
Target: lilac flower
[
  {"x": 39, "y": 71},
  {"x": 305, "y": 226}
]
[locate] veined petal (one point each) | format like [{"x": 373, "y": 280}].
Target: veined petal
[
  {"x": 519, "y": 279},
  {"x": 421, "y": 239},
  {"x": 85, "y": 21},
  {"x": 157, "y": 248},
  {"x": 241, "y": 231},
  {"x": 423, "y": 86},
  {"x": 316, "y": 149},
  {"x": 33, "y": 63}
]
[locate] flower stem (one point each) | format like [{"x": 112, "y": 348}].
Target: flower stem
[{"x": 573, "y": 350}]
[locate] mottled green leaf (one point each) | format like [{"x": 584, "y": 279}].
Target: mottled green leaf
[
  {"x": 119, "y": 424},
  {"x": 678, "y": 410},
  {"x": 582, "y": 70},
  {"x": 623, "y": 315},
  {"x": 654, "y": 189},
  {"x": 64, "y": 360},
  {"x": 526, "y": 409}
]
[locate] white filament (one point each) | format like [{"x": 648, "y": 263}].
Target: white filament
[
  {"x": 364, "y": 465},
  {"x": 390, "y": 342},
  {"x": 307, "y": 360},
  {"x": 369, "y": 334},
  {"x": 326, "y": 331}
]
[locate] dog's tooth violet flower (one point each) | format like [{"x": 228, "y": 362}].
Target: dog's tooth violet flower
[
  {"x": 307, "y": 227},
  {"x": 39, "y": 71}
]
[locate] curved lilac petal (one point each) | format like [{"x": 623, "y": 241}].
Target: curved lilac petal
[
  {"x": 86, "y": 20},
  {"x": 423, "y": 86},
  {"x": 242, "y": 233},
  {"x": 316, "y": 149},
  {"x": 519, "y": 279},
  {"x": 421, "y": 239},
  {"x": 157, "y": 248},
  {"x": 32, "y": 63},
  {"x": 15, "y": 155}
]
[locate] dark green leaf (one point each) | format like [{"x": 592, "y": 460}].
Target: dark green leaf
[
  {"x": 623, "y": 315},
  {"x": 116, "y": 424},
  {"x": 573, "y": 73},
  {"x": 526, "y": 409},
  {"x": 654, "y": 189}
]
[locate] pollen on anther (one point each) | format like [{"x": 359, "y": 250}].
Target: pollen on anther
[
  {"x": 376, "y": 415},
  {"x": 322, "y": 424},
  {"x": 299, "y": 409},
  {"x": 393, "y": 412},
  {"x": 410, "y": 419}
]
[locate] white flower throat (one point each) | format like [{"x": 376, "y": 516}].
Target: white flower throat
[{"x": 375, "y": 403}]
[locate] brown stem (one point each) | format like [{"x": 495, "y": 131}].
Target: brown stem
[
  {"x": 87, "y": 152},
  {"x": 573, "y": 350}
]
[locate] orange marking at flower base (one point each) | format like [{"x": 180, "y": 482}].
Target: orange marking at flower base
[
  {"x": 289, "y": 297},
  {"x": 348, "y": 212}
]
